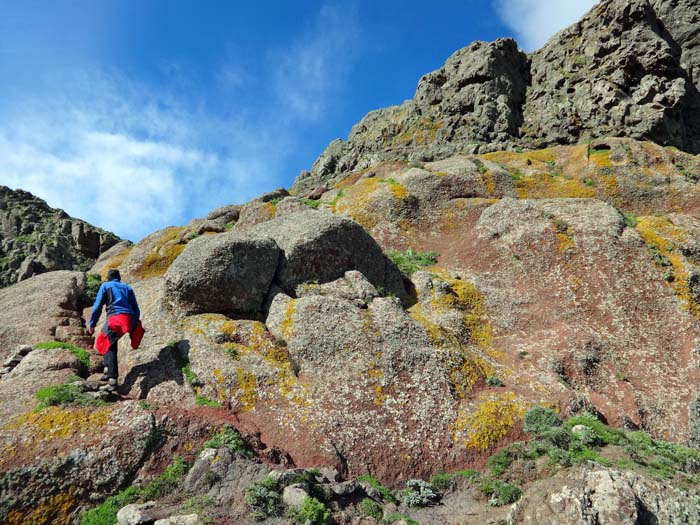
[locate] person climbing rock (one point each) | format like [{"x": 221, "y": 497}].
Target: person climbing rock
[{"x": 122, "y": 317}]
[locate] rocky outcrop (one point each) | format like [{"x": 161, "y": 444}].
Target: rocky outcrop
[
  {"x": 35, "y": 238},
  {"x": 42, "y": 309},
  {"x": 617, "y": 72},
  {"x": 627, "y": 69},
  {"x": 590, "y": 493},
  {"x": 475, "y": 98}
]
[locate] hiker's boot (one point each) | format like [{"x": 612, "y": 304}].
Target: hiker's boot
[
  {"x": 112, "y": 382},
  {"x": 105, "y": 378}
]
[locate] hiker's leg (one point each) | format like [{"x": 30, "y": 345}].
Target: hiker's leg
[{"x": 111, "y": 361}]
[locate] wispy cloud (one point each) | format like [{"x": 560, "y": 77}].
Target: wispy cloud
[
  {"x": 310, "y": 68},
  {"x": 133, "y": 158},
  {"x": 535, "y": 21}
]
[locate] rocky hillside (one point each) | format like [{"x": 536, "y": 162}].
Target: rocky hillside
[
  {"x": 35, "y": 238},
  {"x": 627, "y": 69},
  {"x": 421, "y": 331}
]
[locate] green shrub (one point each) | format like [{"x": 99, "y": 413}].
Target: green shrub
[
  {"x": 385, "y": 492},
  {"x": 162, "y": 485},
  {"x": 311, "y": 203},
  {"x": 411, "y": 260},
  {"x": 500, "y": 493},
  {"x": 93, "y": 282},
  {"x": 500, "y": 462},
  {"x": 66, "y": 394},
  {"x": 204, "y": 401},
  {"x": 494, "y": 381},
  {"x": 264, "y": 499},
  {"x": 540, "y": 419},
  {"x": 372, "y": 508},
  {"x": 228, "y": 437},
  {"x": 311, "y": 511},
  {"x": 443, "y": 481},
  {"x": 558, "y": 436},
  {"x": 82, "y": 354},
  {"x": 607, "y": 435},
  {"x": 419, "y": 494}
]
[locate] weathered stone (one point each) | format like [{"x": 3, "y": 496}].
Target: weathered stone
[
  {"x": 226, "y": 214},
  {"x": 35, "y": 238},
  {"x": 320, "y": 247},
  {"x": 185, "y": 519},
  {"x": 293, "y": 496},
  {"x": 136, "y": 514},
  {"x": 222, "y": 273}
]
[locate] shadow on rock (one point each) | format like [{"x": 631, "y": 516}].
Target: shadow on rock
[{"x": 167, "y": 366}]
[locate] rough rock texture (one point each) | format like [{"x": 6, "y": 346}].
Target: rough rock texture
[
  {"x": 35, "y": 238},
  {"x": 43, "y": 308},
  {"x": 240, "y": 270},
  {"x": 616, "y": 72},
  {"x": 319, "y": 246},
  {"x": 592, "y": 494},
  {"x": 682, "y": 20},
  {"x": 627, "y": 69},
  {"x": 476, "y": 97}
]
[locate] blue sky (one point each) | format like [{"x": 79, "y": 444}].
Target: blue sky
[{"x": 138, "y": 114}]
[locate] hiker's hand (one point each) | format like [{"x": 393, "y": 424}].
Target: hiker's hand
[{"x": 91, "y": 330}]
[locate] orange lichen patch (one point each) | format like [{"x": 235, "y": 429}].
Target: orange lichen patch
[
  {"x": 60, "y": 422},
  {"x": 270, "y": 208},
  {"x": 451, "y": 217},
  {"x": 610, "y": 188},
  {"x": 490, "y": 420},
  {"x": 544, "y": 185},
  {"x": 423, "y": 131},
  {"x": 168, "y": 247},
  {"x": 399, "y": 191},
  {"x": 601, "y": 159},
  {"x": 115, "y": 262},
  {"x": 489, "y": 182},
  {"x": 247, "y": 382},
  {"x": 54, "y": 510},
  {"x": 662, "y": 237},
  {"x": 566, "y": 245},
  {"x": 357, "y": 200}
]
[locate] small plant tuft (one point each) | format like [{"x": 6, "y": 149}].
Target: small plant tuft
[
  {"x": 264, "y": 499},
  {"x": 372, "y": 508},
  {"x": 82, "y": 354},
  {"x": 411, "y": 260},
  {"x": 540, "y": 419},
  {"x": 311, "y": 512},
  {"x": 229, "y": 437},
  {"x": 500, "y": 493},
  {"x": 419, "y": 494}
]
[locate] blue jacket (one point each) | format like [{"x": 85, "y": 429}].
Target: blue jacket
[{"x": 119, "y": 298}]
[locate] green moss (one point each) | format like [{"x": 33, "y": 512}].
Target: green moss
[
  {"x": 311, "y": 203},
  {"x": 64, "y": 395},
  {"x": 630, "y": 219},
  {"x": 385, "y": 492},
  {"x": 400, "y": 517},
  {"x": 78, "y": 352},
  {"x": 201, "y": 400},
  {"x": 228, "y": 437},
  {"x": 411, "y": 260}
]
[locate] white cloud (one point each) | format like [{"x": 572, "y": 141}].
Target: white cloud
[
  {"x": 129, "y": 160},
  {"x": 535, "y": 21},
  {"x": 309, "y": 69}
]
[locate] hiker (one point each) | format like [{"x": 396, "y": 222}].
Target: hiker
[{"x": 122, "y": 316}]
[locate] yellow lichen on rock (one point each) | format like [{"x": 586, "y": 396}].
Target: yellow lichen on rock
[
  {"x": 489, "y": 421},
  {"x": 54, "y": 510},
  {"x": 662, "y": 238},
  {"x": 60, "y": 422},
  {"x": 288, "y": 321},
  {"x": 247, "y": 382},
  {"x": 166, "y": 250}
]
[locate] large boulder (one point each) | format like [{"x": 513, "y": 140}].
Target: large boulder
[
  {"x": 320, "y": 247},
  {"x": 222, "y": 274}
]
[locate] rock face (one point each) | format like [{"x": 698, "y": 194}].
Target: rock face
[
  {"x": 592, "y": 494},
  {"x": 240, "y": 270},
  {"x": 627, "y": 69},
  {"x": 617, "y": 72},
  {"x": 42, "y": 309},
  {"x": 35, "y": 238}
]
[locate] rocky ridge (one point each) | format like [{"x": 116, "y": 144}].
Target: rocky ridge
[
  {"x": 627, "y": 69},
  {"x": 35, "y": 238},
  {"x": 375, "y": 354}
]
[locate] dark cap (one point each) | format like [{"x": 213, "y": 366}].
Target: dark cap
[{"x": 114, "y": 275}]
